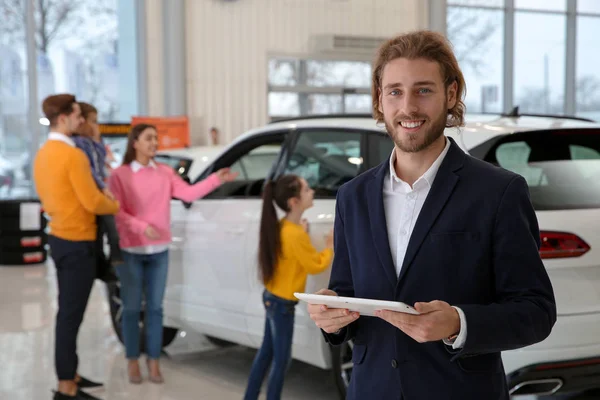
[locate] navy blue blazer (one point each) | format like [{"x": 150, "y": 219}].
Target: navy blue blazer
[{"x": 475, "y": 245}]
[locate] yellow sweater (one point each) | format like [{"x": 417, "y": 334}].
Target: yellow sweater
[
  {"x": 63, "y": 180},
  {"x": 298, "y": 259}
]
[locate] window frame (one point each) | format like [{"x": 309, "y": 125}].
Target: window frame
[
  {"x": 239, "y": 150},
  {"x": 302, "y": 89},
  {"x": 572, "y": 14}
]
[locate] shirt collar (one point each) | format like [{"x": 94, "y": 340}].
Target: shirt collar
[
  {"x": 428, "y": 176},
  {"x": 136, "y": 166},
  {"x": 61, "y": 137}
]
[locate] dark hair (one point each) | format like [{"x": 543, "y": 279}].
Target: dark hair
[
  {"x": 269, "y": 245},
  {"x": 134, "y": 135},
  {"x": 87, "y": 109},
  {"x": 57, "y": 105},
  {"x": 431, "y": 46}
]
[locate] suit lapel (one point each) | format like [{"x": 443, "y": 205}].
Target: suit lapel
[
  {"x": 440, "y": 192},
  {"x": 378, "y": 222}
]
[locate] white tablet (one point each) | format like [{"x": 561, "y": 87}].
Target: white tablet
[{"x": 362, "y": 306}]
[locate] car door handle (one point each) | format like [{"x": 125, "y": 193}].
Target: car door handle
[{"x": 236, "y": 231}]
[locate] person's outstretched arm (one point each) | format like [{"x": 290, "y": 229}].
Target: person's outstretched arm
[{"x": 182, "y": 190}]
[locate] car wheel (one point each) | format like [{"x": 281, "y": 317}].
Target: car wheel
[
  {"x": 341, "y": 357},
  {"x": 116, "y": 313}
]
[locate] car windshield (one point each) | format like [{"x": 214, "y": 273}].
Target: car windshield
[{"x": 562, "y": 167}]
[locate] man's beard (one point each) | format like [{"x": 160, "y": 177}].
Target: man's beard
[{"x": 420, "y": 140}]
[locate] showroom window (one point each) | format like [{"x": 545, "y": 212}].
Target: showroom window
[
  {"x": 587, "y": 71},
  {"x": 14, "y": 104},
  {"x": 79, "y": 47},
  {"x": 534, "y": 54},
  {"x": 311, "y": 87},
  {"x": 81, "y": 57},
  {"x": 539, "y": 66},
  {"x": 478, "y": 40}
]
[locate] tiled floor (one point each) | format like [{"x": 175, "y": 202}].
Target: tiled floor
[{"x": 193, "y": 369}]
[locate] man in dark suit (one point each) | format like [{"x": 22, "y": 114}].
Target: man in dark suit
[{"x": 436, "y": 228}]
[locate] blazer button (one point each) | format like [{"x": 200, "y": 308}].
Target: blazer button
[{"x": 394, "y": 364}]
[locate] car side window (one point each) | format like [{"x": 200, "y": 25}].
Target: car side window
[
  {"x": 514, "y": 156},
  {"x": 586, "y": 159},
  {"x": 257, "y": 163},
  {"x": 561, "y": 166},
  {"x": 583, "y": 153},
  {"x": 253, "y": 162},
  {"x": 327, "y": 159}
]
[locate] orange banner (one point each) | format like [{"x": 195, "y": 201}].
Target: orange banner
[
  {"x": 114, "y": 129},
  {"x": 173, "y": 132}
]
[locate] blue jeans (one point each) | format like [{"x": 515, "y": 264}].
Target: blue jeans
[
  {"x": 143, "y": 274},
  {"x": 276, "y": 349}
]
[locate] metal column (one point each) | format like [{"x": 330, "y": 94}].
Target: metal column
[{"x": 33, "y": 121}]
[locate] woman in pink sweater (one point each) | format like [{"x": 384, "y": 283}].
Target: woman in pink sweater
[{"x": 144, "y": 189}]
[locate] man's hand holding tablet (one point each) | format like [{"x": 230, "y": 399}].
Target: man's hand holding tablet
[
  {"x": 426, "y": 322},
  {"x": 330, "y": 320}
]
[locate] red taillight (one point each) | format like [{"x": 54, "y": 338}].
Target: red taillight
[
  {"x": 33, "y": 257},
  {"x": 33, "y": 241},
  {"x": 562, "y": 245},
  {"x": 569, "y": 364}
]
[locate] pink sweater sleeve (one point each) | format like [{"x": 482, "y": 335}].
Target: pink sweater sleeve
[
  {"x": 123, "y": 218},
  {"x": 188, "y": 193}
]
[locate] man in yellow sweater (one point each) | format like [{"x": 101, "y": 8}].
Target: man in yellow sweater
[{"x": 69, "y": 195}]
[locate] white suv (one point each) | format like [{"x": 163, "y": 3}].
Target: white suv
[{"x": 213, "y": 285}]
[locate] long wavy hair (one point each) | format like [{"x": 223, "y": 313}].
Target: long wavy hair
[
  {"x": 269, "y": 245},
  {"x": 431, "y": 46}
]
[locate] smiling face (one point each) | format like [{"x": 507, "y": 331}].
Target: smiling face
[
  {"x": 414, "y": 101},
  {"x": 307, "y": 195},
  {"x": 303, "y": 198},
  {"x": 146, "y": 144}
]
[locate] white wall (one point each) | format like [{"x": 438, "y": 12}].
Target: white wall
[
  {"x": 229, "y": 43},
  {"x": 154, "y": 58}
]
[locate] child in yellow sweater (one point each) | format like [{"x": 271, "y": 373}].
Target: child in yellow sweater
[{"x": 285, "y": 256}]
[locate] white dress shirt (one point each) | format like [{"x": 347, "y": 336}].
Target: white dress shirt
[
  {"x": 402, "y": 204},
  {"x": 152, "y": 248},
  {"x": 61, "y": 137}
]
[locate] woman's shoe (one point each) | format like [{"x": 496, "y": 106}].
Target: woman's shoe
[
  {"x": 154, "y": 372},
  {"x": 133, "y": 370}
]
